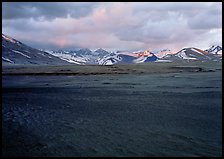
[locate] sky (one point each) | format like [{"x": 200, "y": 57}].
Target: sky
[{"x": 114, "y": 25}]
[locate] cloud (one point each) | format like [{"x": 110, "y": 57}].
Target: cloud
[
  {"x": 46, "y": 10},
  {"x": 209, "y": 19},
  {"x": 114, "y": 25}
]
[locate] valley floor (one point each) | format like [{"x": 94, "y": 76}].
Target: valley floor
[
  {"x": 143, "y": 68},
  {"x": 176, "y": 112}
]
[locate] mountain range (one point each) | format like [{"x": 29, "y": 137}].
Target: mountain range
[{"x": 15, "y": 52}]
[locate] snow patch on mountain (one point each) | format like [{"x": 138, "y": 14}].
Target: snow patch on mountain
[
  {"x": 140, "y": 59},
  {"x": 18, "y": 52},
  {"x": 182, "y": 54},
  {"x": 109, "y": 59},
  {"x": 8, "y": 60},
  {"x": 68, "y": 57}
]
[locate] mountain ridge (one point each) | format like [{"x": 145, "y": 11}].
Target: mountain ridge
[{"x": 15, "y": 52}]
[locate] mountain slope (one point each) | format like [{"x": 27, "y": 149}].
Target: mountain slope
[
  {"x": 161, "y": 53},
  {"x": 214, "y": 49},
  {"x": 15, "y": 52},
  {"x": 128, "y": 58},
  {"x": 191, "y": 54}
]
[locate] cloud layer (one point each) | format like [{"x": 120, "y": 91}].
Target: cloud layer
[{"x": 114, "y": 25}]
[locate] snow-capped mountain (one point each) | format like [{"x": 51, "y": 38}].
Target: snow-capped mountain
[
  {"x": 84, "y": 51},
  {"x": 103, "y": 57},
  {"x": 162, "y": 53},
  {"x": 67, "y": 56},
  {"x": 191, "y": 54},
  {"x": 214, "y": 49},
  {"x": 15, "y": 52},
  {"x": 110, "y": 59},
  {"x": 81, "y": 56},
  {"x": 126, "y": 57},
  {"x": 100, "y": 52}
]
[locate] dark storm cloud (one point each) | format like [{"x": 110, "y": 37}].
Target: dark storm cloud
[{"x": 46, "y": 10}]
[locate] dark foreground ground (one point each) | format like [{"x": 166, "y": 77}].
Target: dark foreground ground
[{"x": 144, "y": 114}]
